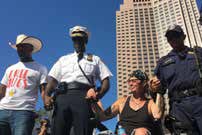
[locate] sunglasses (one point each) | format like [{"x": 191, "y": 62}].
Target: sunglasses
[
  {"x": 139, "y": 75},
  {"x": 134, "y": 80}
]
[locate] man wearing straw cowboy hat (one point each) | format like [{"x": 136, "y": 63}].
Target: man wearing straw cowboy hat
[
  {"x": 19, "y": 88},
  {"x": 77, "y": 73}
]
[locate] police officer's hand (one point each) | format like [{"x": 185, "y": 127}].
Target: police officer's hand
[
  {"x": 91, "y": 94},
  {"x": 142, "y": 131},
  {"x": 154, "y": 84},
  {"x": 48, "y": 103}
]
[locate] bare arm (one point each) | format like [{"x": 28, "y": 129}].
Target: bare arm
[
  {"x": 105, "y": 84},
  {"x": 43, "y": 130},
  {"x": 52, "y": 84},
  {"x": 157, "y": 108},
  {"x": 110, "y": 112},
  {"x": 2, "y": 91},
  {"x": 100, "y": 92},
  {"x": 48, "y": 101},
  {"x": 42, "y": 91}
]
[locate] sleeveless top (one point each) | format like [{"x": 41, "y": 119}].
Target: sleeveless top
[{"x": 131, "y": 119}]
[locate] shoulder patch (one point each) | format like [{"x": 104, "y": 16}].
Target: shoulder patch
[
  {"x": 90, "y": 57},
  {"x": 168, "y": 61}
]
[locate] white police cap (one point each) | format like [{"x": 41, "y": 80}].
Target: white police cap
[{"x": 78, "y": 30}]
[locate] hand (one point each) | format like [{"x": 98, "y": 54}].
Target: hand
[
  {"x": 91, "y": 94},
  {"x": 154, "y": 84},
  {"x": 48, "y": 103},
  {"x": 43, "y": 131},
  {"x": 43, "y": 128},
  {"x": 141, "y": 131}
]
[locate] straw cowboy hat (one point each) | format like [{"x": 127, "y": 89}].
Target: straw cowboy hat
[{"x": 22, "y": 38}]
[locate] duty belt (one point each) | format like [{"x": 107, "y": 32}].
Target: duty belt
[
  {"x": 63, "y": 87},
  {"x": 179, "y": 94}
]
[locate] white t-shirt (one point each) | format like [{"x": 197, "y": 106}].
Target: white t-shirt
[
  {"x": 22, "y": 81},
  {"x": 66, "y": 69}
]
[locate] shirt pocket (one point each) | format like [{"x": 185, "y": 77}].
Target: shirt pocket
[
  {"x": 89, "y": 68},
  {"x": 191, "y": 63},
  {"x": 169, "y": 69}
]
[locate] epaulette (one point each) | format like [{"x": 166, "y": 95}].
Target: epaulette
[
  {"x": 190, "y": 52},
  {"x": 90, "y": 57},
  {"x": 162, "y": 59},
  {"x": 166, "y": 60}
]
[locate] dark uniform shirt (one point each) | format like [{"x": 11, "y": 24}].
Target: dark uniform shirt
[{"x": 177, "y": 71}]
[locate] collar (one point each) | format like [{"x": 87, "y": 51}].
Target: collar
[
  {"x": 75, "y": 54},
  {"x": 174, "y": 52}
]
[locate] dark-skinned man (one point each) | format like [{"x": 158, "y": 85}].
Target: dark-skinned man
[
  {"x": 77, "y": 73},
  {"x": 178, "y": 72},
  {"x": 19, "y": 88}
]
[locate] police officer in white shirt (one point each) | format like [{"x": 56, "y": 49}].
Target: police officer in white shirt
[{"x": 78, "y": 73}]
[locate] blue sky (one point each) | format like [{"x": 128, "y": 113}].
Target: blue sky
[{"x": 50, "y": 20}]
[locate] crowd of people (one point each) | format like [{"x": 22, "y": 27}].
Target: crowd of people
[{"x": 76, "y": 104}]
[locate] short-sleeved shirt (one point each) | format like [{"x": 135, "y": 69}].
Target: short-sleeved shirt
[
  {"x": 22, "y": 81},
  {"x": 66, "y": 69},
  {"x": 178, "y": 70}
]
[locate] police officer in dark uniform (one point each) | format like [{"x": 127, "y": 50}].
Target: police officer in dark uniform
[
  {"x": 76, "y": 74},
  {"x": 178, "y": 72}
]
